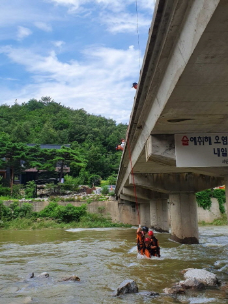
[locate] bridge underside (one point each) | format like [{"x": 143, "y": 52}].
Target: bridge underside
[{"x": 182, "y": 89}]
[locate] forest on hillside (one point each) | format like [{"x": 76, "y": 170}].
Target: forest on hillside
[{"x": 45, "y": 121}]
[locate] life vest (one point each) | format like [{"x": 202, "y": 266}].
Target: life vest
[
  {"x": 154, "y": 243},
  {"x": 119, "y": 147},
  {"x": 147, "y": 251},
  {"x": 140, "y": 242}
]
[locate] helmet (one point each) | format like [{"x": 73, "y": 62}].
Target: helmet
[
  {"x": 145, "y": 229},
  {"x": 147, "y": 240},
  {"x": 150, "y": 233}
]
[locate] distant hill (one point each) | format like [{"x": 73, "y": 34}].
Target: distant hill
[{"x": 45, "y": 121}]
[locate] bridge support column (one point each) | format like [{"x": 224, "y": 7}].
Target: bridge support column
[
  {"x": 159, "y": 214},
  {"x": 184, "y": 221},
  {"x": 144, "y": 212}
]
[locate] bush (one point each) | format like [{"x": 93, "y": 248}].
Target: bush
[
  {"x": 26, "y": 210},
  {"x": 70, "y": 183},
  {"x": 203, "y": 198},
  {"x": 94, "y": 180},
  {"x": 104, "y": 183},
  {"x": 48, "y": 211},
  {"x": 30, "y": 189},
  {"x": 221, "y": 221},
  {"x": 5, "y": 212},
  {"x": 66, "y": 213},
  {"x": 112, "y": 179},
  {"x": 221, "y": 197},
  {"x": 4, "y": 191},
  {"x": 69, "y": 213},
  {"x": 18, "y": 212},
  {"x": 14, "y": 211},
  {"x": 16, "y": 193},
  {"x": 105, "y": 190}
]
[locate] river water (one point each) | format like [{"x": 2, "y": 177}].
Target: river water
[{"x": 103, "y": 258}]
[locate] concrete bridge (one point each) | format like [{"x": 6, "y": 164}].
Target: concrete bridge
[{"x": 176, "y": 143}]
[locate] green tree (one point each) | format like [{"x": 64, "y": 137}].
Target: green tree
[
  {"x": 12, "y": 156},
  {"x": 94, "y": 180},
  {"x": 67, "y": 157}
]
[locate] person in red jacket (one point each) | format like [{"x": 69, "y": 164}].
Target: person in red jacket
[{"x": 153, "y": 245}]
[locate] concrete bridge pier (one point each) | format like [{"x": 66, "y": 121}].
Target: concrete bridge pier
[
  {"x": 144, "y": 212},
  {"x": 184, "y": 220},
  {"x": 159, "y": 220}
]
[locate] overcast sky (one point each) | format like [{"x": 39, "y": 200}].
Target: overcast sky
[{"x": 81, "y": 53}]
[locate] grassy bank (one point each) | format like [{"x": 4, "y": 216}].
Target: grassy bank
[
  {"x": 90, "y": 221},
  {"x": 52, "y": 216},
  {"x": 222, "y": 221}
]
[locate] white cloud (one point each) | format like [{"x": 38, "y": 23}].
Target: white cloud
[
  {"x": 9, "y": 78},
  {"x": 125, "y": 22},
  {"x": 43, "y": 26},
  {"x": 110, "y": 5},
  {"x": 24, "y": 12},
  {"x": 58, "y": 43},
  {"x": 101, "y": 84},
  {"x": 23, "y": 32},
  {"x": 147, "y": 4},
  {"x": 74, "y": 4}
]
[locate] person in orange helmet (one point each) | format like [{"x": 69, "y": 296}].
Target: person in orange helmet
[{"x": 153, "y": 247}]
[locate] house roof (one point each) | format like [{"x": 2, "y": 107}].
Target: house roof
[{"x": 50, "y": 146}]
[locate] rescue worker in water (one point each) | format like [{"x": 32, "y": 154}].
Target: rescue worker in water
[
  {"x": 147, "y": 246},
  {"x": 152, "y": 245},
  {"x": 141, "y": 232}
]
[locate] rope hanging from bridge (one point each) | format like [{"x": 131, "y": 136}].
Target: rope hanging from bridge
[{"x": 127, "y": 143}]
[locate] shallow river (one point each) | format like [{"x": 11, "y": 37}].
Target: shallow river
[{"x": 103, "y": 258}]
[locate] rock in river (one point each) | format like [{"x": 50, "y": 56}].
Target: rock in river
[
  {"x": 72, "y": 278},
  {"x": 127, "y": 286},
  {"x": 197, "y": 279},
  {"x": 199, "y": 276}
]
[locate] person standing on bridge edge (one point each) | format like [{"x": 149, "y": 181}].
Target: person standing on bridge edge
[
  {"x": 134, "y": 85},
  {"x": 141, "y": 232}
]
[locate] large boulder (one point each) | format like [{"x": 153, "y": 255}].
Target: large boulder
[
  {"x": 195, "y": 277},
  {"x": 127, "y": 286}
]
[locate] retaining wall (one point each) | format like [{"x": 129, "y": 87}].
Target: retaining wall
[
  {"x": 209, "y": 216},
  {"x": 126, "y": 212},
  {"x": 123, "y": 213}
]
